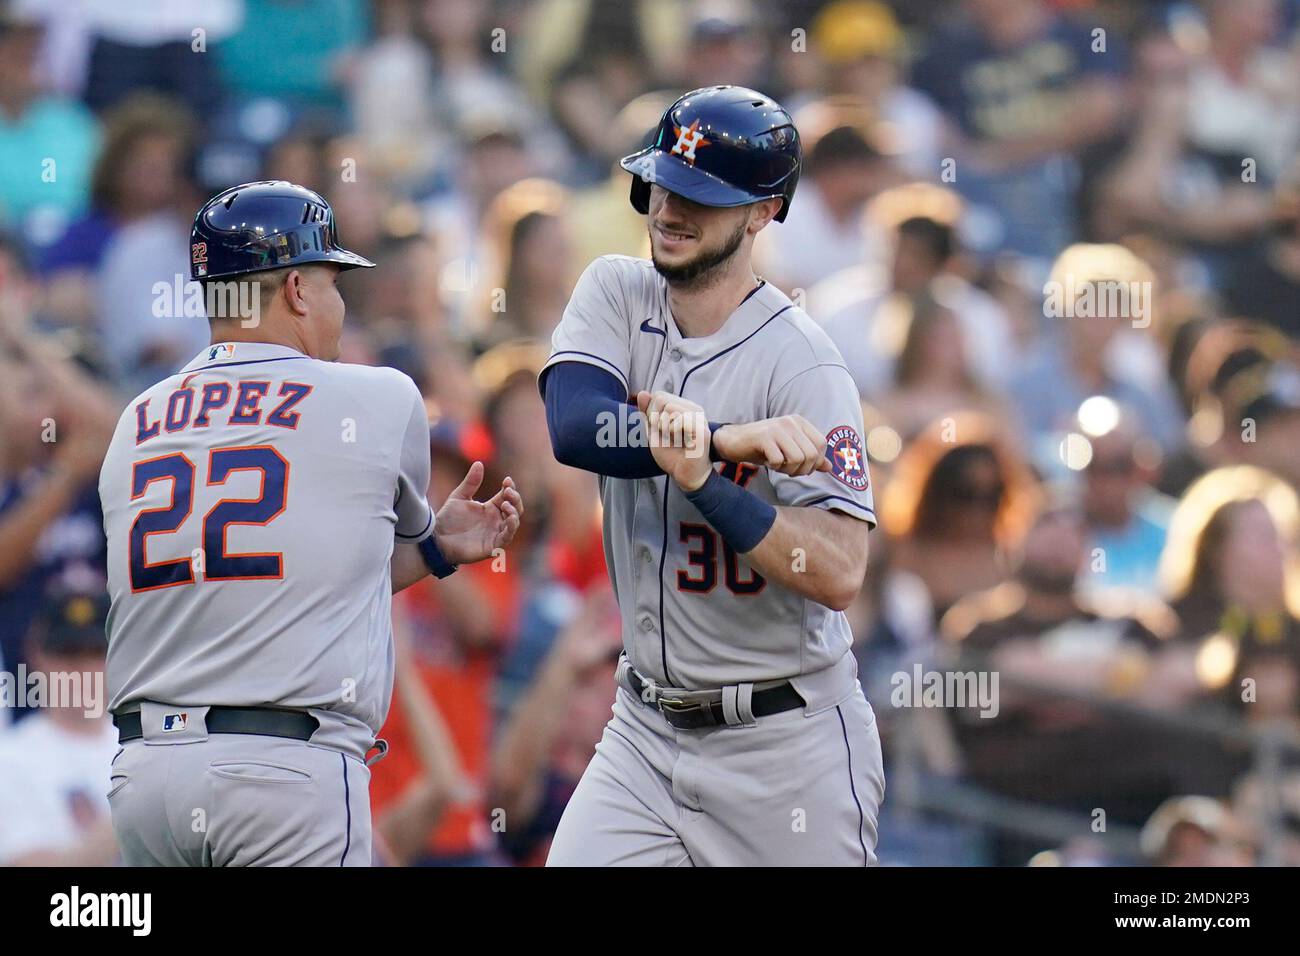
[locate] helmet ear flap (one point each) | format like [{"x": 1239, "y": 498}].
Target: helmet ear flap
[
  {"x": 789, "y": 195},
  {"x": 640, "y": 194}
]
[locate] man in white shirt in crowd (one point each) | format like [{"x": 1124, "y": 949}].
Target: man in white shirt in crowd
[{"x": 54, "y": 765}]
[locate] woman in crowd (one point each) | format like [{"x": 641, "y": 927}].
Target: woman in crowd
[
  {"x": 1230, "y": 572},
  {"x": 957, "y": 501}
]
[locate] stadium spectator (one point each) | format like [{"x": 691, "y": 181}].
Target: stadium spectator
[
  {"x": 146, "y": 149},
  {"x": 47, "y": 142},
  {"x": 1023, "y": 90},
  {"x": 859, "y": 306},
  {"x": 291, "y": 52},
  {"x": 827, "y": 232},
  {"x": 55, "y": 766},
  {"x": 1229, "y": 570},
  {"x": 932, "y": 375},
  {"x": 161, "y": 47},
  {"x": 1126, "y": 519},
  {"x": 527, "y": 233},
  {"x": 1047, "y": 642},
  {"x": 426, "y": 807},
  {"x": 1098, "y": 302},
  {"x": 726, "y": 46},
  {"x": 1195, "y": 831},
  {"x": 543, "y": 749},
  {"x": 955, "y": 506},
  {"x": 860, "y": 46},
  {"x": 56, "y": 424},
  {"x": 454, "y": 636}
]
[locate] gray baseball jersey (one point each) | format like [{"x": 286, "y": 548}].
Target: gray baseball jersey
[
  {"x": 695, "y": 615},
  {"x": 251, "y": 503}
]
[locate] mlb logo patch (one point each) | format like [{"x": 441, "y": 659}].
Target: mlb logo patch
[
  {"x": 847, "y": 457},
  {"x": 199, "y": 256},
  {"x": 175, "y": 722},
  {"x": 221, "y": 353}
]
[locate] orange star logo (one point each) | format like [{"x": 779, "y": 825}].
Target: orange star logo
[{"x": 689, "y": 139}]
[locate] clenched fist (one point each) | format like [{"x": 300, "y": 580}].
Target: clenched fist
[
  {"x": 678, "y": 431},
  {"x": 789, "y": 444}
]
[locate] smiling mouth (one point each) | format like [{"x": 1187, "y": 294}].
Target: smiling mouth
[{"x": 672, "y": 234}]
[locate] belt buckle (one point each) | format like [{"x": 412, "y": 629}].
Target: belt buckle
[{"x": 677, "y": 705}]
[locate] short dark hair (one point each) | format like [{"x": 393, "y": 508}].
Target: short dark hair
[
  {"x": 267, "y": 283},
  {"x": 936, "y": 236},
  {"x": 840, "y": 146}
]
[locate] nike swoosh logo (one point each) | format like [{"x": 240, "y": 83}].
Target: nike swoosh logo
[{"x": 647, "y": 327}]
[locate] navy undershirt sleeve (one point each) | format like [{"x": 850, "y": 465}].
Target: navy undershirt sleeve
[{"x": 579, "y": 397}]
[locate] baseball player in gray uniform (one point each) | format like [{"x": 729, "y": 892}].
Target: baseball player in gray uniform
[
  {"x": 261, "y": 507},
  {"x": 735, "y": 524}
]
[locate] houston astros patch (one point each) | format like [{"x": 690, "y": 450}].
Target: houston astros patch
[{"x": 848, "y": 460}]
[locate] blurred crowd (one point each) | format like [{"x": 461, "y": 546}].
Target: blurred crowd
[{"x": 1056, "y": 241}]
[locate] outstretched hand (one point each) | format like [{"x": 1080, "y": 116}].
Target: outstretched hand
[{"x": 469, "y": 530}]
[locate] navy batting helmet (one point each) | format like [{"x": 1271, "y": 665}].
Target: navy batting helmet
[
  {"x": 720, "y": 146},
  {"x": 267, "y": 225}
]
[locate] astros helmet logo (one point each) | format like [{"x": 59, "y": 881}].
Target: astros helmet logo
[{"x": 689, "y": 139}]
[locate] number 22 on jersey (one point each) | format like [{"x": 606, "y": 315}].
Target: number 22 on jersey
[{"x": 218, "y": 563}]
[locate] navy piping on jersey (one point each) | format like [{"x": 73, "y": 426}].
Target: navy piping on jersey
[
  {"x": 866, "y": 857},
  {"x": 426, "y": 528},
  {"x": 663, "y": 557},
  {"x": 850, "y": 501},
  {"x": 603, "y": 361},
  {"x": 347, "y": 805},
  {"x": 282, "y": 358},
  {"x": 750, "y": 294},
  {"x": 663, "y": 551}
]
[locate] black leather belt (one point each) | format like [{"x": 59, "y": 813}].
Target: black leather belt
[
  {"x": 259, "y": 721},
  {"x": 695, "y": 715}
]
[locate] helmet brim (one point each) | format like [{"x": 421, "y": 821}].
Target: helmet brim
[
  {"x": 347, "y": 259},
  {"x": 343, "y": 258},
  {"x": 654, "y": 165}
]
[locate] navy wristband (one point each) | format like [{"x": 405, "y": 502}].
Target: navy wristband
[
  {"x": 713, "y": 430},
  {"x": 741, "y": 518},
  {"x": 434, "y": 559}
]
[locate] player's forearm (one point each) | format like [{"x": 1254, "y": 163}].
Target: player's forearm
[
  {"x": 407, "y": 566},
  {"x": 821, "y": 555},
  {"x": 818, "y": 554}
]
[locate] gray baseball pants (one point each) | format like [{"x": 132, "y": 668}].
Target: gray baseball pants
[
  {"x": 789, "y": 789},
  {"x": 189, "y": 799}
]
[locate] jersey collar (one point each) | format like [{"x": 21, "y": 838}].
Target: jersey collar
[
  {"x": 761, "y": 304},
  {"x": 235, "y": 353}
]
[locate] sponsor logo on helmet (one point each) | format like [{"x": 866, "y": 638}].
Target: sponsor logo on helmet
[
  {"x": 689, "y": 139},
  {"x": 848, "y": 461}
]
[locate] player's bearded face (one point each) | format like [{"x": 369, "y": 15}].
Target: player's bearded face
[{"x": 689, "y": 241}]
